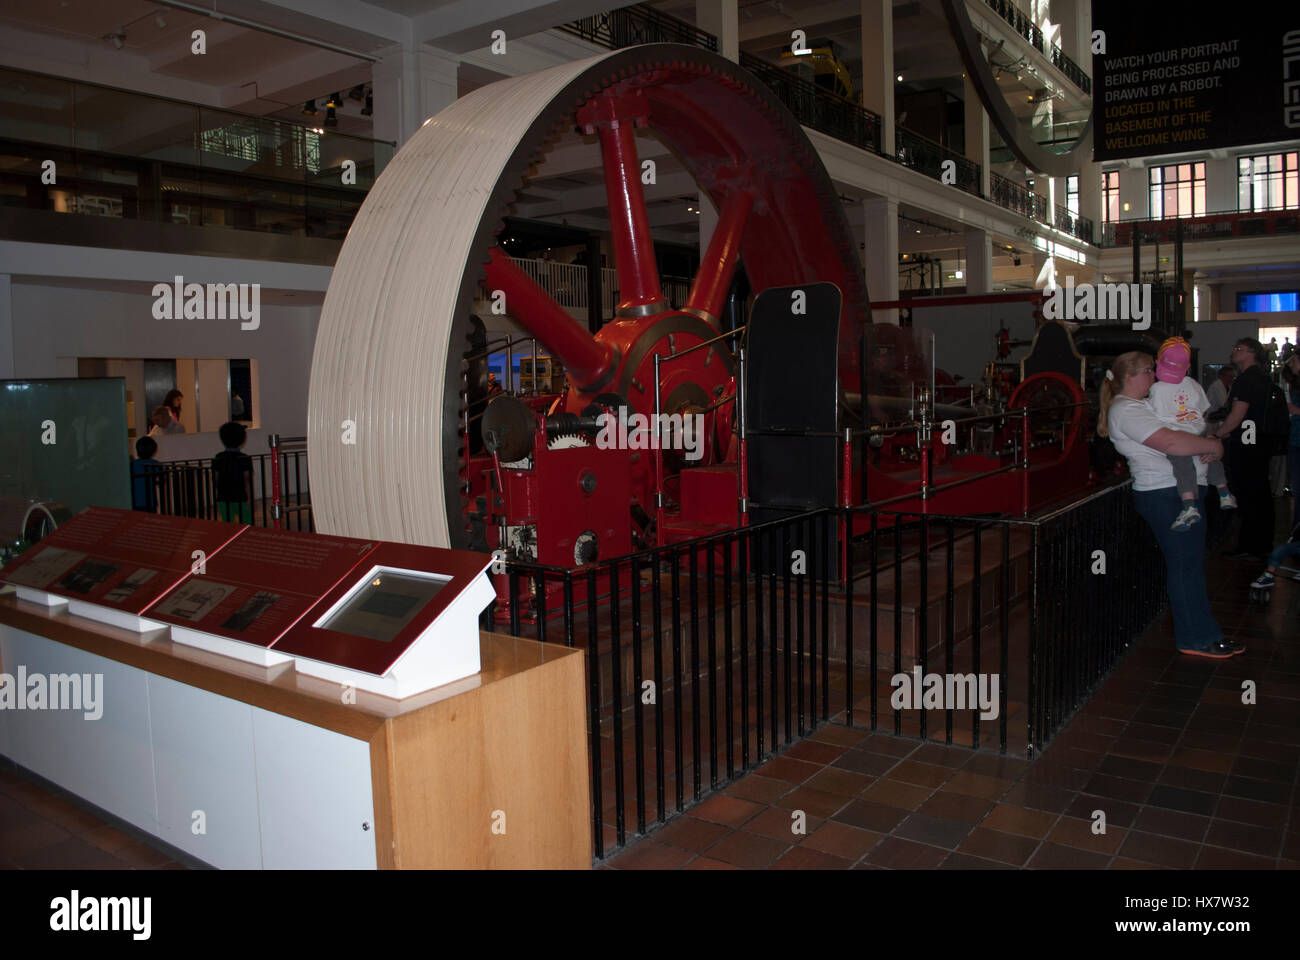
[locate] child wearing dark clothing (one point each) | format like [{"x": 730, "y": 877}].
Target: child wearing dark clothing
[
  {"x": 233, "y": 472},
  {"x": 143, "y": 468}
]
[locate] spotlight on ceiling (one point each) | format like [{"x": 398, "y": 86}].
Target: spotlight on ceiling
[
  {"x": 334, "y": 101},
  {"x": 309, "y": 108},
  {"x": 331, "y": 118},
  {"x": 358, "y": 92},
  {"x": 900, "y": 78}
]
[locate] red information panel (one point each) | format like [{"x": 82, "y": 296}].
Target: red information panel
[
  {"x": 370, "y": 619},
  {"x": 122, "y": 559},
  {"x": 261, "y": 584}
]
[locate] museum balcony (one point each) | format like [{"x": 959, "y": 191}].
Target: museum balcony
[
  {"x": 175, "y": 176},
  {"x": 1215, "y": 226}
]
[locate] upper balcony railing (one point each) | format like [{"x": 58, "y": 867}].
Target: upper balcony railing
[
  {"x": 1214, "y": 226},
  {"x": 638, "y": 24},
  {"x": 1023, "y": 25},
  {"x": 133, "y": 156},
  {"x": 923, "y": 154},
  {"x": 818, "y": 108}
]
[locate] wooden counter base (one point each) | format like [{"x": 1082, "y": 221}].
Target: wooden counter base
[{"x": 487, "y": 772}]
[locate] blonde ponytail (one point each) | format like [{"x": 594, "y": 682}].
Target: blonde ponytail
[{"x": 1113, "y": 386}]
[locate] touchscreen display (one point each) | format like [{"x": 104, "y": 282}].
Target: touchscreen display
[{"x": 384, "y": 606}]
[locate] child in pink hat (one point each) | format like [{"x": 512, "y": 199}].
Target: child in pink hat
[{"x": 1180, "y": 403}]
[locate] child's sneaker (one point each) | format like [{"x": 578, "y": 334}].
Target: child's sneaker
[
  {"x": 1185, "y": 520},
  {"x": 1263, "y": 581},
  {"x": 1227, "y": 501}
]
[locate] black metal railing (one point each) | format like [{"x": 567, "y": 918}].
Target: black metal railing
[
  {"x": 1023, "y": 25},
  {"x": 816, "y": 107},
  {"x": 188, "y": 488},
  {"x": 924, "y": 155},
  {"x": 1018, "y": 198},
  {"x": 637, "y": 24},
  {"x": 707, "y": 657},
  {"x": 1070, "y": 222},
  {"x": 1214, "y": 226}
]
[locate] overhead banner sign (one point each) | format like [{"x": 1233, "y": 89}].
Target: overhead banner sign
[{"x": 1170, "y": 83}]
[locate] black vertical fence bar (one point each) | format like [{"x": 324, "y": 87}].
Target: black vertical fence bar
[
  {"x": 923, "y": 612},
  {"x": 297, "y": 489},
  {"x": 710, "y": 601},
  {"x": 874, "y": 632},
  {"x": 593, "y": 705},
  {"x": 638, "y": 701},
  {"x": 848, "y": 617},
  {"x": 786, "y": 562},
  {"x": 261, "y": 480},
  {"x": 977, "y": 586},
  {"x": 732, "y": 544},
  {"x": 1035, "y": 624},
  {"x": 814, "y": 573},
  {"x": 1005, "y": 623},
  {"x": 568, "y": 609},
  {"x": 950, "y": 627},
  {"x": 826, "y": 555},
  {"x": 693, "y": 566},
  {"x": 675, "y": 564},
  {"x": 804, "y": 545},
  {"x": 539, "y": 601},
  {"x": 773, "y": 558},
  {"x": 743, "y": 575},
  {"x": 757, "y": 558},
  {"x": 898, "y": 612},
  {"x": 616, "y": 709},
  {"x": 656, "y": 597},
  {"x": 512, "y": 589}
]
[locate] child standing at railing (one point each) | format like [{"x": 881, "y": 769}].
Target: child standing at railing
[
  {"x": 233, "y": 471},
  {"x": 1180, "y": 403}
]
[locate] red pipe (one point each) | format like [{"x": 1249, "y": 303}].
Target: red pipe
[
  {"x": 634, "y": 254},
  {"x": 585, "y": 359},
  {"x": 713, "y": 279}
]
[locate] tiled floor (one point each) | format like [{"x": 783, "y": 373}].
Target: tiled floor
[{"x": 1185, "y": 774}]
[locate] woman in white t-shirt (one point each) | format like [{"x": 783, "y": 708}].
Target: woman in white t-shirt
[{"x": 1146, "y": 443}]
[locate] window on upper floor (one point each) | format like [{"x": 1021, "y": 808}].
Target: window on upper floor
[
  {"x": 1072, "y": 194},
  {"x": 1177, "y": 190},
  {"x": 1110, "y": 196},
  {"x": 1268, "y": 182}
]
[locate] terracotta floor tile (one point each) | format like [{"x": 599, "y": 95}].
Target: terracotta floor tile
[
  {"x": 1119, "y": 813},
  {"x": 1253, "y": 812},
  {"x": 648, "y": 855},
  {"x": 962, "y": 861},
  {"x": 1072, "y": 832},
  {"x": 758, "y": 789},
  {"x": 943, "y": 756},
  {"x": 1245, "y": 838},
  {"x": 807, "y": 858},
  {"x": 708, "y": 863},
  {"x": 814, "y": 751},
  {"x": 1172, "y": 823},
  {"x": 777, "y": 823},
  {"x": 876, "y": 817},
  {"x": 890, "y": 746},
  {"x": 1192, "y": 779},
  {"x": 108, "y": 838},
  {"x": 788, "y": 769},
  {"x": 689, "y": 833},
  {"x": 1260, "y": 790},
  {"x": 1002, "y": 847},
  {"x": 1142, "y": 750},
  {"x": 1019, "y": 820},
  {"x": 1130, "y": 769},
  {"x": 977, "y": 785},
  {"x": 1036, "y": 797},
  {"x": 841, "y": 735},
  {"x": 730, "y": 811},
  {"x": 921, "y": 774},
  {"x": 843, "y": 782},
  {"x": 1217, "y": 858},
  {"x": 1214, "y": 742},
  {"x": 140, "y": 854},
  {"x": 994, "y": 765},
  {"x": 1124, "y": 863},
  {"x": 77, "y": 853},
  {"x": 901, "y": 854},
  {"x": 1052, "y": 856},
  {"x": 1048, "y": 773},
  {"x": 936, "y": 831},
  {"x": 956, "y": 806},
  {"x": 748, "y": 849},
  {"x": 34, "y": 835},
  {"x": 865, "y": 762},
  {"x": 815, "y": 803},
  {"x": 1164, "y": 851},
  {"x": 1117, "y": 788},
  {"x": 1177, "y": 798},
  {"x": 841, "y": 840},
  {"x": 71, "y": 817},
  {"x": 1202, "y": 759},
  {"x": 894, "y": 793}
]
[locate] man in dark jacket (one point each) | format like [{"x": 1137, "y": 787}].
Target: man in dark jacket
[
  {"x": 1247, "y": 450},
  {"x": 233, "y": 472}
]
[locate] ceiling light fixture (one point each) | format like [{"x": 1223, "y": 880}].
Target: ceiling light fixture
[
  {"x": 358, "y": 92},
  {"x": 900, "y": 78},
  {"x": 334, "y": 101},
  {"x": 309, "y": 108}
]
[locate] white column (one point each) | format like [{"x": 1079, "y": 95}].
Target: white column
[
  {"x": 979, "y": 261},
  {"x": 411, "y": 84},
  {"x": 977, "y": 135},
  {"x": 1090, "y": 195},
  {"x": 878, "y": 72},
  {"x": 7, "y": 362},
  {"x": 722, "y": 19},
  {"x": 880, "y": 232}
]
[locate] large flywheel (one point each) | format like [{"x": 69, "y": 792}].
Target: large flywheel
[{"x": 385, "y": 406}]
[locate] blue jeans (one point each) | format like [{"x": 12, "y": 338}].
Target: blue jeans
[
  {"x": 1282, "y": 553},
  {"x": 1194, "y": 625}
]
